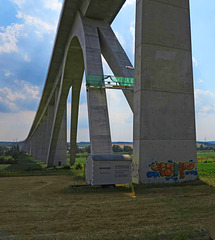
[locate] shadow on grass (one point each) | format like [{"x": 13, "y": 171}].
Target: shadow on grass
[
  {"x": 24, "y": 164},
  {"x": 87, "y": 189},
  {"x": 138, "y": 189},
  {"x": 29, "y": 166},
  {"x": 200, "y": 233}
]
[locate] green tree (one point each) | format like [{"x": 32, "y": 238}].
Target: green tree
[
  {"x": 1, "y": 151},
  {"x": 127, "y": 148},
  {"x": 201, "y": 147},
  {"x": 117, "y": 148},
  {"x": 87, "y": 149}
]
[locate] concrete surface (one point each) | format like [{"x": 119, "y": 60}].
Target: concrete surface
[{"x": 164, "y": 118}]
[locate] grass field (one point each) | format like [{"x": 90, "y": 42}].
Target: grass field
[
  {"x": 43, "y": 206},
  {"x": 206, "y": 155},
  {"x": 28, "y": 166}
]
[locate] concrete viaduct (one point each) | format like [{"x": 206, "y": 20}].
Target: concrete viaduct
[{"x": 162, "y": 98}]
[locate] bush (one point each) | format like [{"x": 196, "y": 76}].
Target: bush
[
  {"x": 67, "y": 167},
  {"x": 4, "y": 160},
  {"x": 78, "y": 166},
  {"x": 34, "y": 168}
]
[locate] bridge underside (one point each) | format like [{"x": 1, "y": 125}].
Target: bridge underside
[
  {"x": 162, "y": 98},
  {"x": 87, "y": 39}
]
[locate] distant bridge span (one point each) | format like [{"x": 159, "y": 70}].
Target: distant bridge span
[{"x": 83, "y": 33}]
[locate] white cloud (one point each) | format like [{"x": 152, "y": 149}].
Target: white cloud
[
  {"x": 27, "y": 58},
  {"x": 207, "y": 108},
  {"x": 120, "y": 115},
  {"x": 205, "y": 103},
  {"x": 129, "y": 2},
  {"x": 199, "y": 81},
  {"x": 9, "y": 95},
  {"x": 19, "y": 3},
  {"x": 15, "y": 125},
  {"x": 199, "y": 92},
  {"x": 36, "y": 22},
  {"x": 9, "y": 38},
  {"x": 83, "y": 135},
  {"x": 32, "y": 91},
  {"x": 120, "y": 39},
  {"x": 7, "y": 73},
  {"x": 18, "y": 97},
  {"x": 7, "y": 104},
  {"x": 53, "y": 5},
  {"x": 195, "y": 62},
  {"x": 8, "y": 99},
  {"x": 83, "y": 129},
  {"x": 132, "y": 31},
  {"x": 205, "y": 126}
]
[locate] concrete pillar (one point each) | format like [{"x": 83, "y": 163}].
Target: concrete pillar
[
  {"x": 57, "y": 149},
  {"x": 76, "y": 88},
  {"x": 34, "y": 144},
  {"x": 40, "y": 141},
  {"x": 164, "y": 123},
  {"x": 61, "y": 148},
  {"x": 30, "y": 146},
  {"x": 99, "y": 127},
  {"x": 100, "y": 137},
  {"x": 49, "y": 123},
  {"x": 43, "y": 138}
]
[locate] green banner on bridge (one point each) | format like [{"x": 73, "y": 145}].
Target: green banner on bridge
[{"x": 99, "y": 81}]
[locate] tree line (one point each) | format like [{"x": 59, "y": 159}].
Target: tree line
[{"x": 116, "y": 149}]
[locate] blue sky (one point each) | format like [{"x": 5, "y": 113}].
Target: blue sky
[{"x": 27, "y": 32}]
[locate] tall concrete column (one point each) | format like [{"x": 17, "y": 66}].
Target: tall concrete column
[
  {"x": 43, "y": 136},
  {"x": 40, "y": 141},
  {"x": 49, "y": 122},
  {"x": 34, "y": 144},
  {"x": 99, "y": 126},
  {"x": 76, "y": 88},
  {"x": 61, "y": 148},
  {"x": 164, "y": 123},
  {"x": 100, "y": 137},
  {"x": 58, "y": 145}
]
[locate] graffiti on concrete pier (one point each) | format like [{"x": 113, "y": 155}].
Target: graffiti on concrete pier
[{"x": 172, "y": 170}]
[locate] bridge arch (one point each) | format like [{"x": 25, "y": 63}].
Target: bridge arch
[
  {"x": 82, "y": 53},
  {"x": 83, "y": 43}
]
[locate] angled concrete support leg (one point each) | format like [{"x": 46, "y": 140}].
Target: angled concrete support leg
[
  {"x": 99, "y": 126},
  {"x": 116, "y": 57}
]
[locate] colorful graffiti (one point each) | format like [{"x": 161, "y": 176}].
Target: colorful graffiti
[{"x": 172, "y": 170}]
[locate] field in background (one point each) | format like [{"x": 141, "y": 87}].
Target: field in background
[{"x": 206, "y": 155}]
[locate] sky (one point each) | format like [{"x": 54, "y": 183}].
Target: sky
[{"x": 27, "y": 33}]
